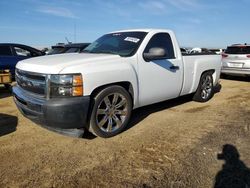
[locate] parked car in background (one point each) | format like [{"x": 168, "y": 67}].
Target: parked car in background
[
  {"x": 200, "y": 51},
  {"x": 11, "y": 53},
  {"x": 217, "y": 50},
  {"x": 75, "y": 47},
  {"x": 67, "y": 48},
  {"x": 56, "y": 49},
  {"x": 184, "y": 50},
  {"x": 98, "y": 88},
  {"x": 236, "y": 60}
]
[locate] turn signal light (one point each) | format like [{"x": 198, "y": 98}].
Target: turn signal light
[
  {"x": 78, "y": 91},
  {"x": 77, "y": 80},
  {"x": 77, "y": 85},
  {"x": 248, "y": 56}
]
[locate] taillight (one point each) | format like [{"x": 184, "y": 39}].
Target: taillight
[
  {"x": 248, "y": 56},
  {"x": 224, "y": 55}
]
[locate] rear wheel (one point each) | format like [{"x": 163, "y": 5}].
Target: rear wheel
[
  {"x": 205, "y": 90},
  {"x": 111, "y": 111}
]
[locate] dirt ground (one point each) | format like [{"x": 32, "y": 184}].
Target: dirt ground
[{"x": 171, "y": 144}]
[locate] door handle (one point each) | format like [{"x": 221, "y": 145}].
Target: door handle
[{"x": 174, "y": 67}]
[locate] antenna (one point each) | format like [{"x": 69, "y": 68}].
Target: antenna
[
  {"x": 75, "y": 33},
  {"x": 67, "y": 40}
]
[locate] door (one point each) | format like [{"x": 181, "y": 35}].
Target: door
[
  {"x": 159, "y": 79},
  {"x": 7, "y": 60},
  {"x": 22, "y": 52}
]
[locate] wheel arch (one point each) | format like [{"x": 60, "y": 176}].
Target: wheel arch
[
  {"x": 214, "y": 75},
  {"x": 125, "y": 84},
  {"x": 199, "y": 90},
  {"x": 212, "y": 71}
]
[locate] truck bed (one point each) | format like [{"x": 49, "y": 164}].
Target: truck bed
[
  {"x": 202, "y": 53},
  {"x": 194, "y": 64}
]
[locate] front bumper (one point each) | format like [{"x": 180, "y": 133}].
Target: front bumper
[{"x": 60, "y": 113}]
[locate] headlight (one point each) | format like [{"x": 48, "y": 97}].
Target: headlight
[{"x": 66, "y": 85}]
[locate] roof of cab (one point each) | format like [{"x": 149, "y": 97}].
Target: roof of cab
[{"x": 142, "y": 30}]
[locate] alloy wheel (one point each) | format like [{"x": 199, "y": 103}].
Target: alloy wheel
[
  {"x": 206, "y": 87},
  {"x": 111, "y": 112}
]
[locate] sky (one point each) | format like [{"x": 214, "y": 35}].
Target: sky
[{"x": 197, "y": 23}]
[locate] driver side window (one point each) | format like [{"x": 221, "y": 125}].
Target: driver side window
[
  {"x": 22, "y": 52},
  {"x": 161, "y": 40}
]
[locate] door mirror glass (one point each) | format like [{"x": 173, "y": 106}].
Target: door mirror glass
[{"x": 155, "y": 54}]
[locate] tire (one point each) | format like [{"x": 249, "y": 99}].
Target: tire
[
  {"x": 205, "y": 90},
  {"x": 111, "y": 112}
]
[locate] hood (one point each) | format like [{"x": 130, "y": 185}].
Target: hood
[{"x": 54, "y": 64}]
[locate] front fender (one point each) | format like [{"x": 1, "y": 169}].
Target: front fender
[{"x": 109, "y": 74}]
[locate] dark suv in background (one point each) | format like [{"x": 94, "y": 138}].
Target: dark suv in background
[{"x": 67, "y": 48}]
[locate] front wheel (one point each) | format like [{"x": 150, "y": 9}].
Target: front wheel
[
  {"x": 111, "y": 111},
  {"x": 205, "y": 90}
]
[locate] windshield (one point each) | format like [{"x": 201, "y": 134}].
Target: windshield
[{"x": 123, "y": 44}]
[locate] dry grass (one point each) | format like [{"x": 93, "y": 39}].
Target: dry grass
[{"x": 170, "y": 144}]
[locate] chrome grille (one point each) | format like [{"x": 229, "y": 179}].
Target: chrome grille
[{"x": 32, "y": 82}]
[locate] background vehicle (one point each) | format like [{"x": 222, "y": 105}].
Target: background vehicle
[
  {"x": 201, "y": 51},
  {"x": 57, "y": 49},
  {"x": 217, "y": 51},
  {"x": 236, "y": 60},
  {"x": 98, "y": 88},
  {"x": 11, "y": 53},
  {"x": 184, "y": 51},
  {"x": 75, "y": 47},
  {"x": 68, "y": 48}
]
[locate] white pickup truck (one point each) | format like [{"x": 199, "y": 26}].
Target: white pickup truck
[{"x": 98, "y": 88}]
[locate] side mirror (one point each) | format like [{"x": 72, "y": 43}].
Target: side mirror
[{"x": 155, "y": 54}]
